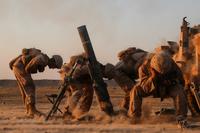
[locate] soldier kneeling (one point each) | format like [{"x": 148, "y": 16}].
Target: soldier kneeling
[
  {"x": 80, "y": 91},
  {"x": 161, "y": 77}
]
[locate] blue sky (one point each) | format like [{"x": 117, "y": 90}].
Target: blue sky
[{"x": 113, "y": 25}]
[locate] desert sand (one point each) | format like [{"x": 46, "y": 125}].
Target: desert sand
[{"x": 14, "y": 120}]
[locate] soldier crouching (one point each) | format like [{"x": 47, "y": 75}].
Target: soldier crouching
[
  {"x": 80, "y": 91},
  {"x": 30, "y": 62},
  {"x": 125, "y": 72},
  {"x": 161, "y": 77}
]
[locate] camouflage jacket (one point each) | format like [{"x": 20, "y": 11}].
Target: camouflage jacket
[
  {"x": 159, "y": 84},
  {"x": 31, "y": 62},
  {"x": 131, "y": 65}
]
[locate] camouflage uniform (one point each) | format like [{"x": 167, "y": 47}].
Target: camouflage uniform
[
  {"x": 125, "y": 72},
  {"x": 192, "y": 103},
  {"x": 29, "y": 62},
  {"x": 161, "y": 77},
  {"x": 80, "y": 92}
]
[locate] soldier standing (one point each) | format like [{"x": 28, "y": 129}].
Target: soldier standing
[
  {"x": 161, "y": 77},
  {"x": 30, "y": 62}
]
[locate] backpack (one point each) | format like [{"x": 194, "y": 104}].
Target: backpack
[
  {"x": 29, "y": 54},
  {"x": 128, "y": 53}
]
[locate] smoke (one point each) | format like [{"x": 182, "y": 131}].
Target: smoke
[
  {"x": 191, "y": 64},
  {"x": 196, "y": 45}
]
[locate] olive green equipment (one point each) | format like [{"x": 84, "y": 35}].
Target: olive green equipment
[
  {"x": 52, "y": 98},
  {"x": 189, "y": 52},
  {"x": 96, "y": 75}
]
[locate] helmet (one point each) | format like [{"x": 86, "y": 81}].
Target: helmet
[
  {"x": 58, "y": 60},
  {"x": 161, "y": 62}
]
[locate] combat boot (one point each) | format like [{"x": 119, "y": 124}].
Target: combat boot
[
  {"x": 67, "y": 114},
  {"x": 134, "y": 117},
  {"x": 27, "y": 109},
  {"x": 32, "y": 111},
  {"x": 183, "y": 124},
  {"x": 107, "y": 107}
]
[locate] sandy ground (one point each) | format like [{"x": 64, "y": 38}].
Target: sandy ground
[{"x": 13, "y": 119}]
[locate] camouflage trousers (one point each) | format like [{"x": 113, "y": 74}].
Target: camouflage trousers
[
  {"x": 26, "y": 85},
  {"x": 176, "y": 92},
  {"x": 192, "y": 104},
  {"x": 79, "y": 100},
  {"x": 126, "y": 85}
]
